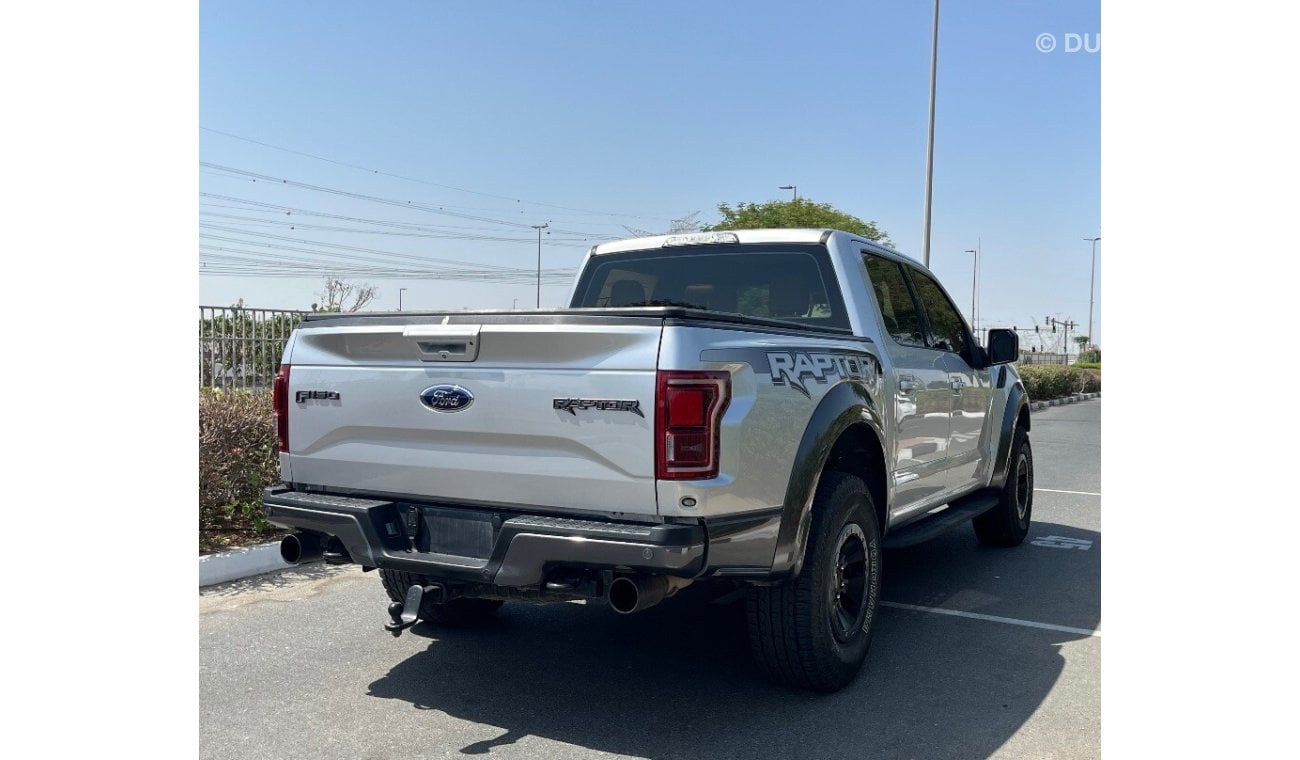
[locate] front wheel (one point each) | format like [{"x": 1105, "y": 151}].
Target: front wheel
[
  {"x": 457, "y": 612},
  {"x": 813, "y": 631},
  {"x": 1007, "y": 523}
]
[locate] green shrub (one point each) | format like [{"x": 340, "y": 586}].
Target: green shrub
[
  {"x": 1088, "y": 365},
  {"x": 237, "y": 459},
  {"x": 1049, "y": 381}
]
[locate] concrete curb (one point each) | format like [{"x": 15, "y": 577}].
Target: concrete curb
[
  {"x": 237, "y": 564},
  {"x": 1036, "y": 405}
]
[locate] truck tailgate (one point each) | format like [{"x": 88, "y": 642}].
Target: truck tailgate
[{"x": 367, "y": 414}]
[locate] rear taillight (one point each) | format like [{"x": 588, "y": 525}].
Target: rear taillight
[
  {"x": 688, "y": 415},
  {"x": 280, "y": 400}
]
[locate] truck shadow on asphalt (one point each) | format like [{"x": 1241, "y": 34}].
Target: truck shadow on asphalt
[{"x": 676, "y": 681}]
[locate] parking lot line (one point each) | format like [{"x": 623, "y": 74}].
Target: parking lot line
[
  {"x": 1081, "y": 493},
  {"x": 992, "y": 618}
]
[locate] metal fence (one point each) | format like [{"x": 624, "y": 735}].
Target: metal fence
[
  {"x": 1046, "y": 357},
  {"x": 241, "y": 348}
]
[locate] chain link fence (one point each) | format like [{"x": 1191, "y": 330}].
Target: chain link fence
[{"x": 241, "y": 348}]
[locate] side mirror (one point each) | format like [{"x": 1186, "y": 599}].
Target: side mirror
[{"x": 1004, "y": 346}]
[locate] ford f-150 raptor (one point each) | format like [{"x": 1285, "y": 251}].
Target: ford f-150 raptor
[{"x": 759, "y": 408}]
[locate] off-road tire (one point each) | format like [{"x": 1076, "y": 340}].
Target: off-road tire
[
  {"x": 457, "y": 612},
  {"x": 809, "y": 632},
  {"x": 1007, "y": 524}
]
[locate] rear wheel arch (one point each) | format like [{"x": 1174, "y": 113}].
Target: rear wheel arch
[
  {"x": 858, "y": 451},
  {"x": 843, "y": 434}
]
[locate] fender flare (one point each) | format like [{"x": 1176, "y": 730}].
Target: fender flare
[
  {"x": 844, "y": 405},
  {"x": 1017, "y": 400}
]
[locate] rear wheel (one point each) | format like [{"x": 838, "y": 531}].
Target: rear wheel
[
  {"x": 1007, "y": 524},
  {"x": 456, "y": 612},
  {"x": 813, "y": 631}
]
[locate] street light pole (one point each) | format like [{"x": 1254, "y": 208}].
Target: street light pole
[
  {"x": 929, "y": 144},
  {"x": 795, "y": 188},
  {"x": 1092, "y": 269},
  {"x": 539, "y": 228},
  {"x": 399, "y": 298},
  {"x": 979, "y": 252},
  {"x": 974, "y": 274}
]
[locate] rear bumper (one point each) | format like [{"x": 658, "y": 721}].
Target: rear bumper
[{"x": 484, "y": 546}]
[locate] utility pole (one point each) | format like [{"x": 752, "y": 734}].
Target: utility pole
[
  {"x": 539, "y": 228},
  {"x": 929, "y": 143},
  {"x": 974, "y": 278},
  {"x": 399, "y": 298},
  {"x": 1091, "y": 278},
  {"x": 1068, "y": 325}
]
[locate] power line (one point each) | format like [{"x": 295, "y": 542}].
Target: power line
[
  {"x": 290, "y": 210},
  {"x": 418, "y": 180},
  {"x": 383, "y": 257},
  {"x": 222, "y": 259},
  {"x": 522, "y": 211},
  {"x": 350, "y": 250},
  {"x": 293, "y": 224},
  {"x": 378, "y": 199}
]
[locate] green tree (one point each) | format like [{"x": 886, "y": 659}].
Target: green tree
[
  {"x": 799, "y": 212},
  {"x": 1087, "y": 354}
]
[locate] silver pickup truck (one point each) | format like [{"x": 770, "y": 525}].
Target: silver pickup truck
[{"x": 764, "y": 409}]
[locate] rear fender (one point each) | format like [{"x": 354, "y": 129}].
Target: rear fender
[{"x": 843, "y": 406}]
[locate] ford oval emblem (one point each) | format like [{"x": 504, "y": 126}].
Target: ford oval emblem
[{"x": 446, "y": 398}]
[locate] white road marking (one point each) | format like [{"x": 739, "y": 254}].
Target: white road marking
[
  {"x": 1081, "y": 493},
  {"x": 1061, "y": 542},
  {"x": 992, "y": 618}
]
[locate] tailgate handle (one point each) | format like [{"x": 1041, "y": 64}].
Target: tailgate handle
[{"x": 445, "y": 343}]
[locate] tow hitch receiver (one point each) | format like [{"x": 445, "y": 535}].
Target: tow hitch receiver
[{"x": 405, "y": 615}]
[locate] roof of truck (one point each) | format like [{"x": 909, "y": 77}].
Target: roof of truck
[{"x": 783, "y": 235}]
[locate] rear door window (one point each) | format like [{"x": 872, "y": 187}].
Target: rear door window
[
  {"x": 947, "y": 331},
  {"x": 898, "y": 309}
]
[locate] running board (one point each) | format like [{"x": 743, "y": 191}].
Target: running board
[{"x": 927, "y": 528}]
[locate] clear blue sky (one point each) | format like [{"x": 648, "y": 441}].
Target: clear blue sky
[{"x": 652, "y": 111}]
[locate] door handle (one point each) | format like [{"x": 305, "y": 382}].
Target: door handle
[
  {"x": 908, "y": 385},
  {"x": 957, "y": 384}
]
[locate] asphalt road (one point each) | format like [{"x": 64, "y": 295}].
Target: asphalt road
[{"x": 297, "y": 665}]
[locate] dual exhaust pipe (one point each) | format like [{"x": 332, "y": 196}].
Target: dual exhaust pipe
[
  {"x": 297, "y": 548},
  {"x": 627, "y": 593}
]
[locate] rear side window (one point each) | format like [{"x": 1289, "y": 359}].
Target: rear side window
[
  {"x": 901, "y": 316},
  {"x": 788, "y": 282},
  {"x": 947, "y": 331}
]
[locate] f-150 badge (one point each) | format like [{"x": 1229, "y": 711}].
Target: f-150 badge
[{"x": 571, "y": 405}]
